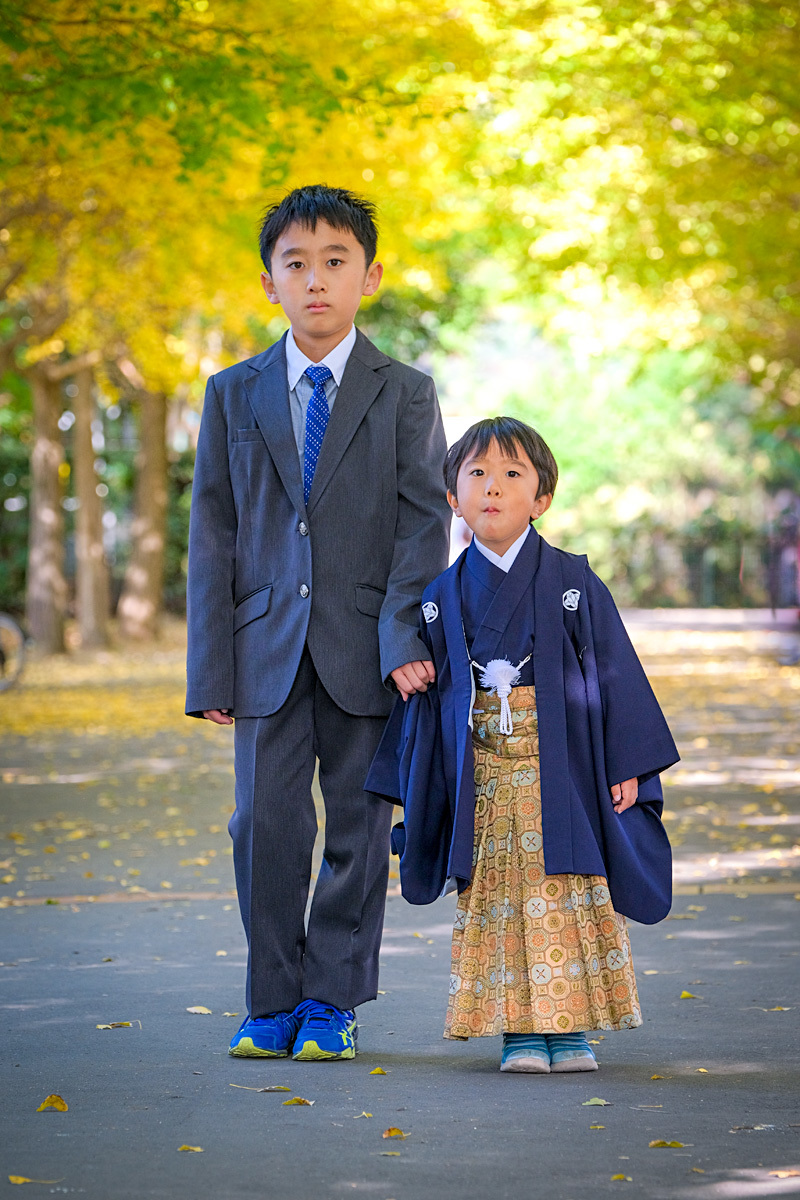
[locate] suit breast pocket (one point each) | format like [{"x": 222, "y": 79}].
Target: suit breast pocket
[{"x": 247, "y": 435}]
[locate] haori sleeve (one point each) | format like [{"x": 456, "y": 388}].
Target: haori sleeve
[{"x": 638, "y": 743}]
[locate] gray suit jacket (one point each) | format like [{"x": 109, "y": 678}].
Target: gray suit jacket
[{"x": 345, "y": 576}]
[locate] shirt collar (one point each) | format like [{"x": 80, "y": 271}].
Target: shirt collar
[
  {"x": 335, "y": 361},
  {"x": 504, "y": 561}
]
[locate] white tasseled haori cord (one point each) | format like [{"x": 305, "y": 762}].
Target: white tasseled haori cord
[{"x": 499, "y": 676}]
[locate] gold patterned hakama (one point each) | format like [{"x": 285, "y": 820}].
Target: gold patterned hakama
[{"x": 531, "y": 953}]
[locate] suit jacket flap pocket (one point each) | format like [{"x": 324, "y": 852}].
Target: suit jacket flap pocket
[
  {"x": 369, "y": 600},
  {"x": 253, "y": 606},
  {"x": 247, "y": 435}
]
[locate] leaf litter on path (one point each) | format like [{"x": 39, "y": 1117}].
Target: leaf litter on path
[
  {"x": 53, "y": 1101},
  {"x": 299, "y": 1100},
  {"x": 394, "y": 1132},
  {"x": 24, "y": 1179}
]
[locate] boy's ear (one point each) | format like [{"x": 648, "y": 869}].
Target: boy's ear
[
  {"x": 452, "y": 500},
  {"x": 373, "y": 279},
  {"x": 541, "y": 505},
  {"x": 269, "y": 288}
]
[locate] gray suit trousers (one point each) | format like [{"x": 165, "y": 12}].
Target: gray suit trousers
[{"x": 273, "y": 828}]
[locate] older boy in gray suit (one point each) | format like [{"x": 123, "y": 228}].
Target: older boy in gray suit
[{"x": 318, "y": 517}]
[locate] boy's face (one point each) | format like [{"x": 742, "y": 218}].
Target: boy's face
[
  {"x": 318, "y": 277},
  {"x": 497, "y": 496}
]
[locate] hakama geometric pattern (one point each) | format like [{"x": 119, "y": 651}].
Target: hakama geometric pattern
[{"x": 531, "y": 953}]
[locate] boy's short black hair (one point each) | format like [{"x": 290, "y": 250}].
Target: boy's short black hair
[
  {"x": 306, "y": 205},
  {"x": 511, "y": 436}
]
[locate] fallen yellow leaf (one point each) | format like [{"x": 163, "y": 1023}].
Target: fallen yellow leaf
[
  {"x": 651, "y": 972},
  {"x": 230, "y": 1014},
  {"x": 299, "y": 1100},
  {"x": 53, "y": 1101},
  {"x": 595, "y": 1100},
  {"x": 362, "y": 1114},
  {"x": 656, "y": 1076},
  {"x": 165, "y": 883},
  {"x": 390, "y": 1153},
  {"x": 379, "y": 1071},
  {"x": 597, "y": 1126},
  {"x": 394, "y": 1132},
  {"x": 200, "y": 1008},
  {"x": 593, "y": 1042},
  {"x": 419, "y": 935},
  {"x": 659, "y": 1142},
  {"x": 689, "y": 996},
  {"x": 702, "y": 1071},
  {"x": 24, "y": 1179},
  {"x": 779, "y": 1008},
  {"x": 698, "y": 1170},
  {"x": 621, "y": 1179},
  {"x": 696, "y": 908},
  {"x": 116, "y": 1025},
  {"x": 222, "y": 954},
  {"x": 194, "y": 1149}
]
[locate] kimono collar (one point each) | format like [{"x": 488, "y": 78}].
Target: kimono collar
[
  {"x": 512, "y": 589},
  {"x": 504, "y": 561}
]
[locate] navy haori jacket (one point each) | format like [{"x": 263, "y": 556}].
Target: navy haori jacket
[{"x": 599, "y": 724}]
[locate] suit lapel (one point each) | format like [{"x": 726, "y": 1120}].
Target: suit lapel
[
  {"x": 268, "y": 393},
  {"x": 360, "y": 385}
]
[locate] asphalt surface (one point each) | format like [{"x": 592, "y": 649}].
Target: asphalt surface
[{"x": 125, "y": 832}]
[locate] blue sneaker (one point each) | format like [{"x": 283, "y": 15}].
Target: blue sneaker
[
  {"x": 525, "y": 1052},
  {"x": 325, "y": 1032},
  {"x": 570, "y": 1052},
  {"x": 265, "y": 1037}
]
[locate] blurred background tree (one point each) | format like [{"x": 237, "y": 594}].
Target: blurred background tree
[{"x": 587, "y": 218}]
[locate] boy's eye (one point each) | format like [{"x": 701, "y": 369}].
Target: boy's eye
[
  {"x": 293, "y": 265},
  {"x": 334, "y": 262},
  {"x": 512, "y": 474},
  {"x": 476, "y": 471}
]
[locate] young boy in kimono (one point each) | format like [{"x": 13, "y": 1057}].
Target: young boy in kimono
[{"x": 529, "y": 771}]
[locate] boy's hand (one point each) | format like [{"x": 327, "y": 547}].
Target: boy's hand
[
  {"x": 413, "y": 677},
  {"x": 218, "y": 715},
  {"x": 623, "y": 795}
]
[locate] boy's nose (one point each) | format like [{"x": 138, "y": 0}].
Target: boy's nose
[
  {"x": 492, "y": 487},
  {"x": 314, "y": 284}
]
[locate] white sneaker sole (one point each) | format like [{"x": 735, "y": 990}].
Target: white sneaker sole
[
  {"x": 584, "y": 1063},
  {"x": 530, "y": 1066}
]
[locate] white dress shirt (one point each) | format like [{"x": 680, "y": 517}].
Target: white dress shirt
[{"x": 301, "y": 387}]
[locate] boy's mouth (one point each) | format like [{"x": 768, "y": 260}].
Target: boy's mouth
[
  {"x": 491, "y": 511},
  {"x": 319, "y": 306}
]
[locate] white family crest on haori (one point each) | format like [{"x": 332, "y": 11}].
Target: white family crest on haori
[
  {"x": 499, "y": 676},
  {"x": 430, "y": 611},
  {"x": 571, "y": 599}
]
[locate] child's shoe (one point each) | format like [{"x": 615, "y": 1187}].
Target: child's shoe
[
  {"x": 570, "y": 1052},
  {"x": 265, "y": 1037},
  {"x": 525, "y": 1052},
  {"x": 325, "y": 1032}
]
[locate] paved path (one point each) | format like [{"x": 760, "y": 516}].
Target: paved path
[{"x": 108, "y": 794}]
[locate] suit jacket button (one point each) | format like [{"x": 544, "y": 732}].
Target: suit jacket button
[
  {"x": 303, "y": 590},
  {"x": 302, "y": 528}
]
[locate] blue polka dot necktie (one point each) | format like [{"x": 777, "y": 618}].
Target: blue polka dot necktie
[{"x": 316, "y": 423}]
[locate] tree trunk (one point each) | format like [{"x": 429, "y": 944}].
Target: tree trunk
[
  {"x": 91, "y": 570},
  {"x": 140, "y": 603},
  {"x": 46, "y": 586}
]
